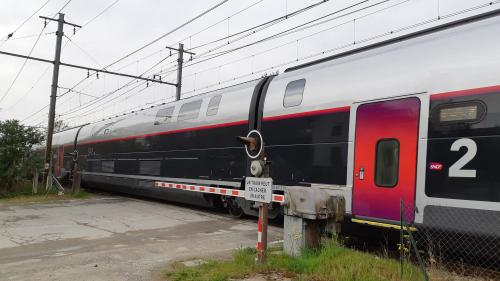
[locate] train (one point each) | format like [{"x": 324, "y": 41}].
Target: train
[{"x": 415, "y": 118}]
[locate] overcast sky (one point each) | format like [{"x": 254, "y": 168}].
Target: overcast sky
[{"x": 128, "y": 25}]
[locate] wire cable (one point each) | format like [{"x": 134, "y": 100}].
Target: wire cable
[
  {"x": 24, "y": 22},
  {"x": 22, "y": 67},
  {"x": 101, "y": 13}
]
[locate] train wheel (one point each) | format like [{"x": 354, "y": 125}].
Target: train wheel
[{"x": 234, "y": 208}]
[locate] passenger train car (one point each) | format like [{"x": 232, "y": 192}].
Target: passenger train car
[{"x": 416, "y": 118}]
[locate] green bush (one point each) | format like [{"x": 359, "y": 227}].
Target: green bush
[{"x": 17, "y": 159}]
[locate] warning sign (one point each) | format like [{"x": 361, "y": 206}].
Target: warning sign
[{"x": 259, "y": 189}]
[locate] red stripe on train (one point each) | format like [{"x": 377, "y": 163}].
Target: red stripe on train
[
  {"x": 308, "y": 113},
  {"x": 469, "y": 92},
  {"x": 199, "y": 128}
]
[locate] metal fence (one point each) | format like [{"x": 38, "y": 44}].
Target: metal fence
[{"x": 453, "y": 245}]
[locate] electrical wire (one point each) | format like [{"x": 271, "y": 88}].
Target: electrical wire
[
  {"x": 87, "y": 23},
  {"x": 289, "y": 31},
  {"x": 83, "y": 51},
  {"x": 287, "y": 15},
  {"x": 273, "y": 36},
  {"x": 84, "y": 106},
  {"x": 22, "y": 67},
  {"x": 24, "y": 22},
  {"x": 101, "y": 13},
  {"x": 169, "y": 32},
  {"x": 157, "y": 39},
  {"x": 254, "y": 29}
]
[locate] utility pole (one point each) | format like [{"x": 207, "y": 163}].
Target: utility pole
[
  {"x": 53, "y": 93},
  {"x": 180, "y": 61},
  {"x": 55, "y": 79}
]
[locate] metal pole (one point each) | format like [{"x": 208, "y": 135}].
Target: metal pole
[
  {"x": 180, "y": 60},
  {"x": 53, "y": 94}
]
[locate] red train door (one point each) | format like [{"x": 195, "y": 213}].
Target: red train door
[{"x": 385, "y": 159}]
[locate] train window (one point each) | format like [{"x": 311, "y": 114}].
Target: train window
[
  {"x": 108, "y": 166},
  {"x": 213, "y": 105},
  {"x": 294, "y": 92},
  {"x": 164, "y": 115},
  {"x": 149, "y": 167},
  {"x": 387, "y": 163},
  {"x": 189, "y": 110}
]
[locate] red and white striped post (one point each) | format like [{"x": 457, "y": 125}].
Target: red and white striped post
[{"x": 262, "y": 232}]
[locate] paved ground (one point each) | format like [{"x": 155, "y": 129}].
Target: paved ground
[{"x": 111, "y": 238}]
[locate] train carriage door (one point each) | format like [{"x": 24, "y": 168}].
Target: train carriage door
[{"x": 385, "y": 159}]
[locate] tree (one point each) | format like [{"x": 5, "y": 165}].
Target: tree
[
  {"x": 59, "y": 125},
  {"x": 16, "y": 151}
]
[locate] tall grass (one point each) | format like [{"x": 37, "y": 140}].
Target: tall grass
[{"x": 331, "y": 262}]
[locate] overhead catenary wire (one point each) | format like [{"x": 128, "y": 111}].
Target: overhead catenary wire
[
  {"x": 360, "y": 40},
  {"x": 169, "y": 32},
  {"x": 101, "y": 12},
  {"x": 294, "y": 13},
  {"x": 288, "y": 31},
  {"x": 209, "y": 56},
  {"x": 262, "y": 26},
  {"x": 193, "y": 34},
  {"x": 254, "y": 29},
  {"x": 8, "y": 36},
  {"x": 84, "y": 106},
  {"x": 294, "y": 41},
  {"x": 337, "y": 11},
  {"x": 158, "y": 38},
  {"x": 6, "y": 93},
  {"x": 83, "y": 51},
  {"x": 87, "y": 23}
]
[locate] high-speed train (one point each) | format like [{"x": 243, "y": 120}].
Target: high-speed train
[{"x": 415, "y": 117}]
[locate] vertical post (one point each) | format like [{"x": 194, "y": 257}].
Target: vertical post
[
  {"x": 53, "y": 96},
  {"x": 76, "y": 179},
  {"x": 35, "y": 182},
  {"x": 262, "y": 232},
  {"x": 263, "y": 217},
  {"x": 180, "y": 60}
]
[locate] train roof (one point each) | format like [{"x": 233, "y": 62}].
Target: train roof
[{"x": 398, "y": 39}]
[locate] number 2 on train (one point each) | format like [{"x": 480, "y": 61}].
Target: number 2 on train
[{"x": 456, "y": 170}]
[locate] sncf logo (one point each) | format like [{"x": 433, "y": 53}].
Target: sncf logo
[{"x": 435, "y": 166}]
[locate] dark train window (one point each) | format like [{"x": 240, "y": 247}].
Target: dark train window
[
  {"x": 461, "y": 112},
  {"x": 189, "y": 110},
  {"x": 294, "y": 93},
  {"x": 164, "y": 115},
  {"x": 387, "y": 163},
  {"x": 213, "y": 105},
  {"x": 108, "y": 166},
  {"x": 149, "y": 167}
]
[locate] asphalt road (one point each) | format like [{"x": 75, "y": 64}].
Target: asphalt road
[{"x": 112, "y": 238}]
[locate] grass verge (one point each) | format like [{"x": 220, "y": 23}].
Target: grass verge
[
  {"x": 23, "y": 193},
  {"x": 331, "y": 262}
]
